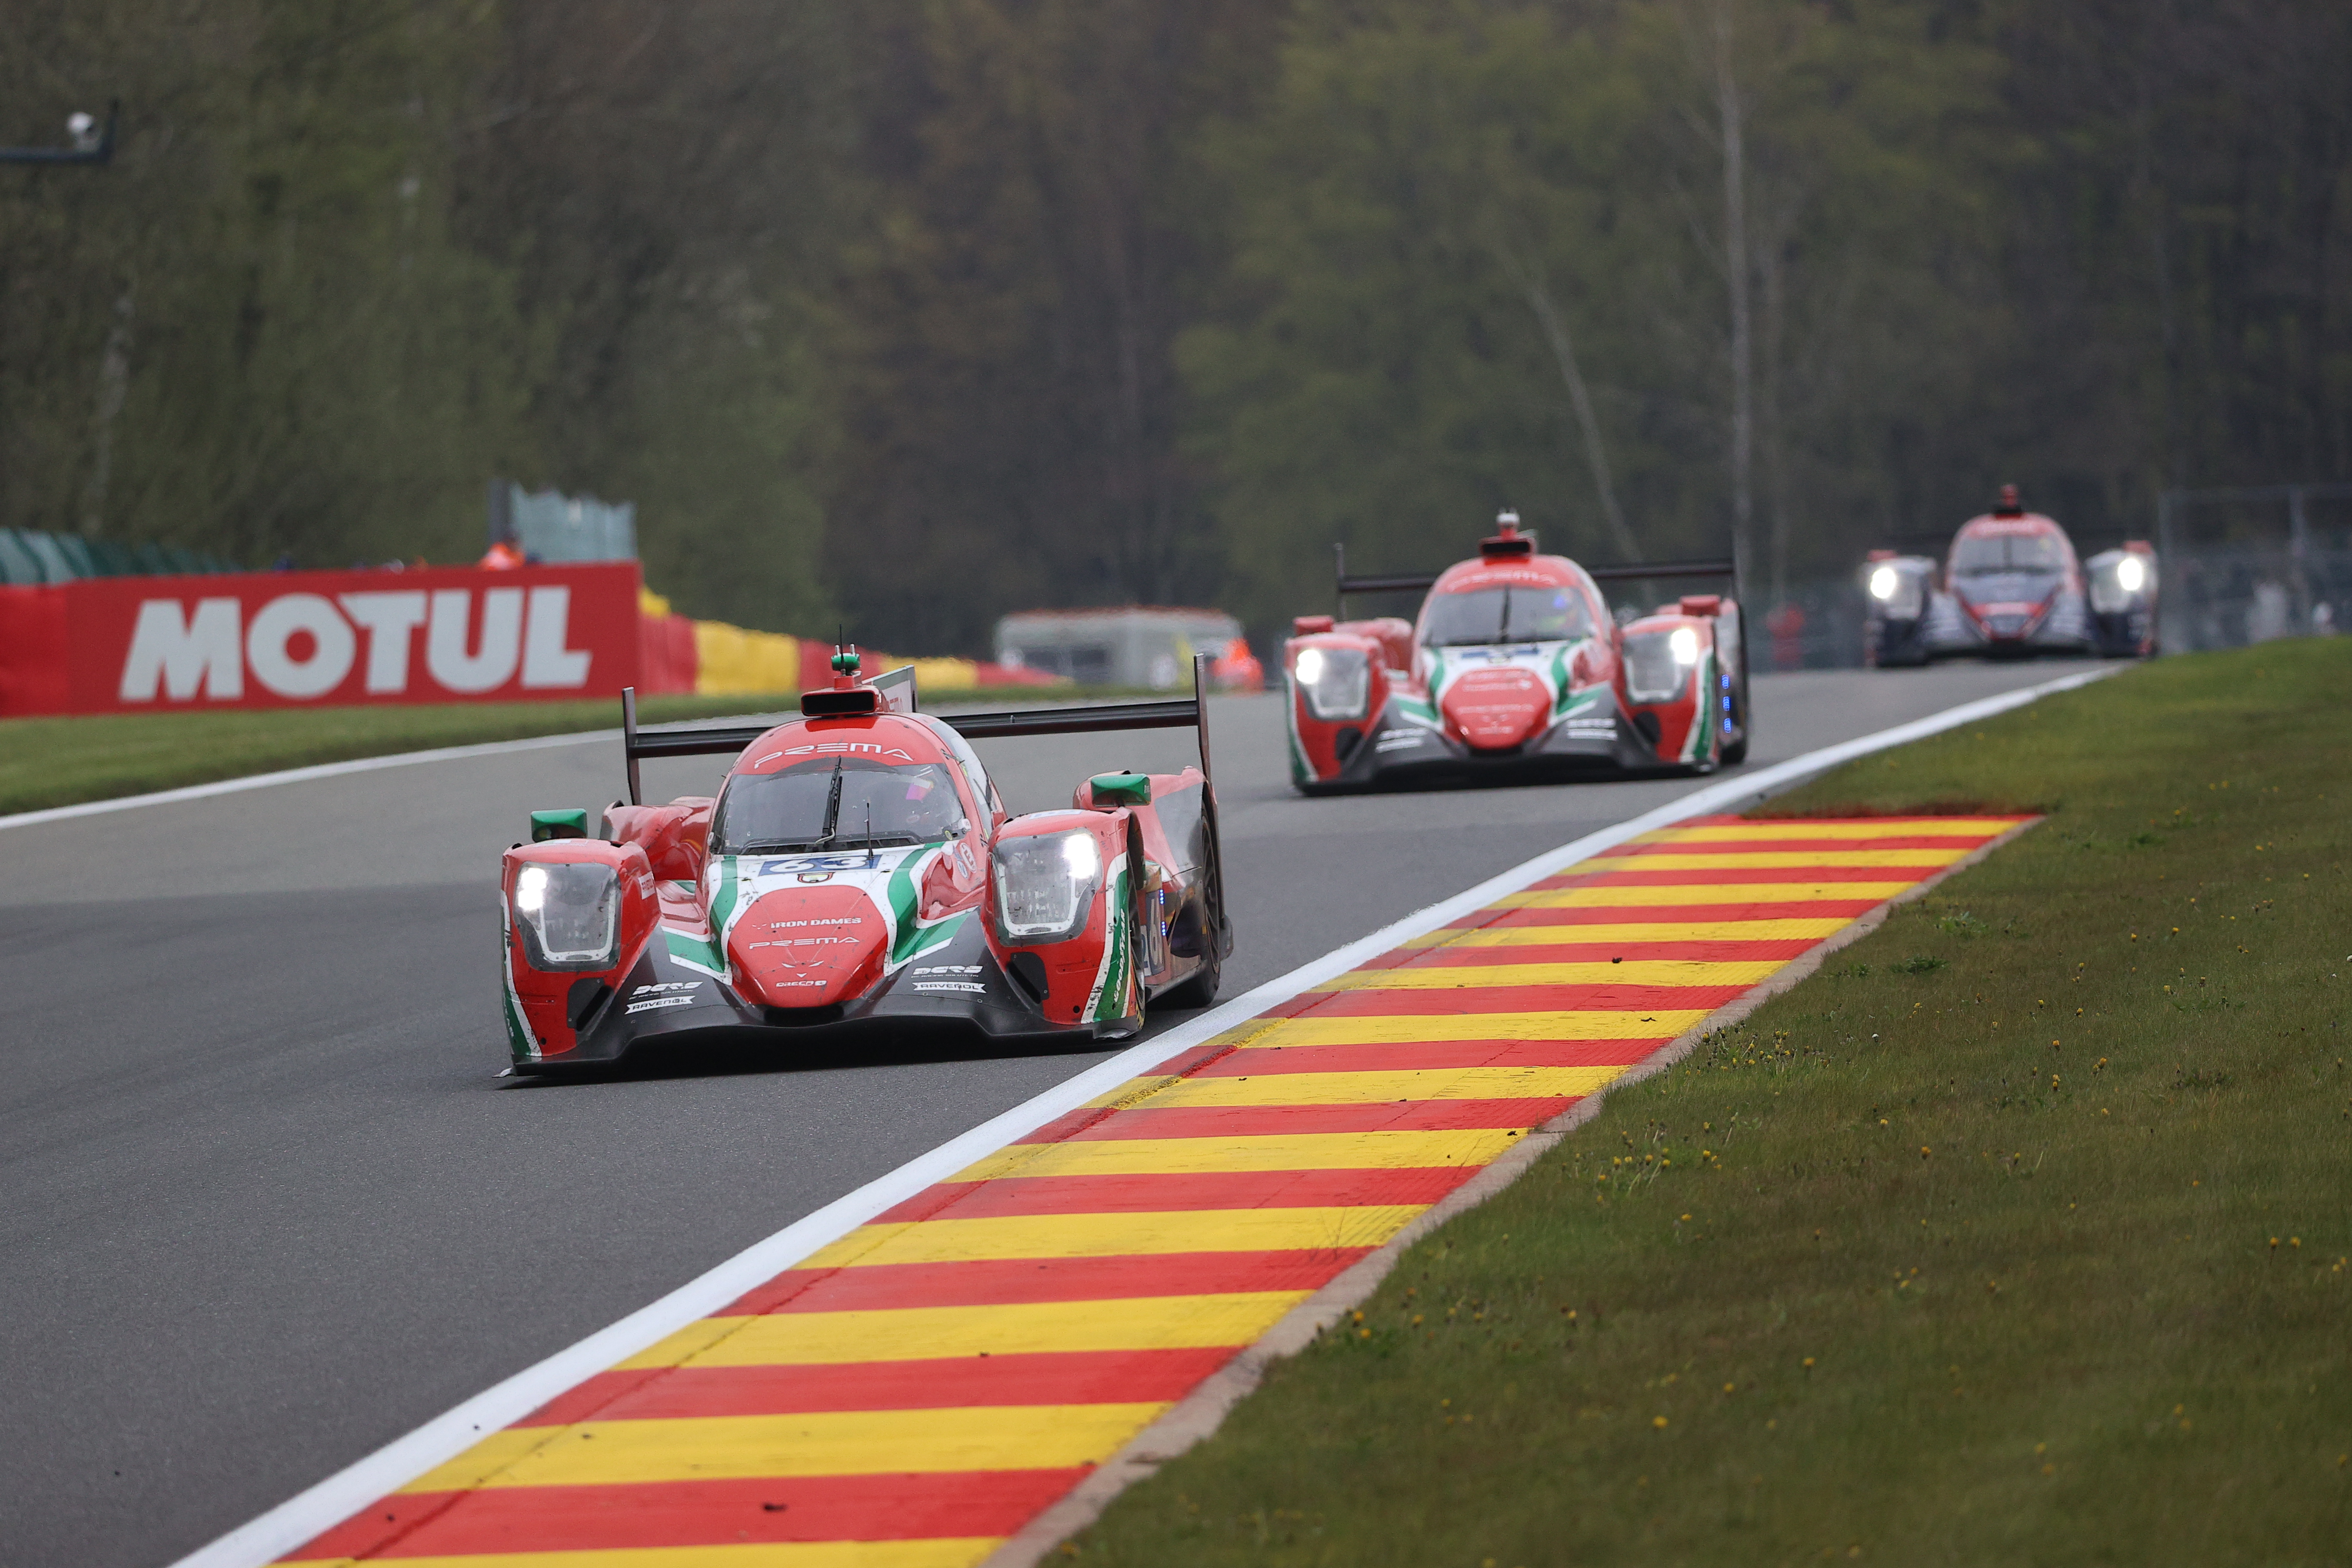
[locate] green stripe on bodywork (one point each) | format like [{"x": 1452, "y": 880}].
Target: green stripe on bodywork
[
  {"x": 1703, "y": 689},
  {"x": 695, "y": 953},
  {"x": 1301, "y": 771},
  {"x": 519, "y": 1040},
  {"x": 1110, "y": 993},
  {"x": 723, "y": 899},
  {"x": 1414, "y": 708},
  {"x": 910, "y": 939}
]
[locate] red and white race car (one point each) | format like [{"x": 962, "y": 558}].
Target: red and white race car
[
  {"x": 857, "y": 869},
  {"x": 1515, "y": 664}
]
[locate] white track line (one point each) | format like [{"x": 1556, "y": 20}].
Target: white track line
[
  {"x": 301, "y": 776},
  {"x": 393, "y": 1466},
  {"x": 370, "y": 764}
]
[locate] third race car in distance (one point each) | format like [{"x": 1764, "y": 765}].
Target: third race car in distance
[
  {"x": 1515, "y": 667},
  {"x": 2012, "y": 586}
]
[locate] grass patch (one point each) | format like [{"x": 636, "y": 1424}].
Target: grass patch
[
  {"x": 2020, "y": 1235},
  {"x": 65, "y": 760}
]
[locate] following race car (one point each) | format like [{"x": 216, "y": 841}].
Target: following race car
[
  {"x": 858, "y": 870},
  {"x": 1514, "y": 666},
  {"x": 2011, "y": 586}
]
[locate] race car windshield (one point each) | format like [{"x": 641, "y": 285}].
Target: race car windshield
[
  {"x": 1988, "y": 552},
  {"x": 1485, "y": 615},
  {"x": 848, "y": 803}
]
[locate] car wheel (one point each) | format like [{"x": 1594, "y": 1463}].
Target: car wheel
[
  {"x": 1198, "y": 989},
  {"x": 1736, "y": 752}
]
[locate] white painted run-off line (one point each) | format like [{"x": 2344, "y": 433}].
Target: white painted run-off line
[{"x": 397, "y": 1463}]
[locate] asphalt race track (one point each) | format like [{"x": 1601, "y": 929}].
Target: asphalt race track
[{"x": 265, "y": 1206}]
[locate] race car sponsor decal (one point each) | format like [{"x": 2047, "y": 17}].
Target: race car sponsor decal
[
  {"x": 947, "y": 969},
  {"x": 1401, "y": 741},
  {"x": 827, "y": 748},
  {"x": 653, "y": 1004},
  {"x": 665, "y": 987},
  {"x": 803, "y": 865},
  {"x": 960, "y": 985}
]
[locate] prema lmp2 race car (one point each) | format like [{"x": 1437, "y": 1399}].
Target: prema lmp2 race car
[
  {"x": 1516, "y": 667},
  {"x": 858, "y": 870},
  {"x": 2011, "y": 586}
]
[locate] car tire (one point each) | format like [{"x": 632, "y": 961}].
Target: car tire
[
  {"x": 1736, "y": 752},
  {"x": 1198, "y": 989}
]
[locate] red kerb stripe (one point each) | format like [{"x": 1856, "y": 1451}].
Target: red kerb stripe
[
  {"x": 1683, "y": 914},
  {"x": 695, "y": 1513},
  {"x": 1437, "y": 1056},
  {"x": 1161, "y": 1194},
  {"x": 1464, "y": 956},
  {"x": 1058, "y": 1377},
  {"x": 1736, "y": 875},
  {"x": 1279, "y": 1121},
  {"x": 1455, "y": 1001},
  {"x": 996, "y": 1281}
]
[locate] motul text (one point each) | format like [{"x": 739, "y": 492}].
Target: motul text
[{"x": 283, "y": 639}]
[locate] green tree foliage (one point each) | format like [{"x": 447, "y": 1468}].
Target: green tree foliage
[
  {"x": 674, "y": 187},
  {"x": 1011, "y": 404},
  {"x": 252, "y": 333},
  {"x": 917, "y": 311},
  {"x": 1438, "y": 204}
]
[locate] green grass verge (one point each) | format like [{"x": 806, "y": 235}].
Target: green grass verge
[
  {"x": 2018, "y": 1234},
  {"x": 62, "y": 761}
]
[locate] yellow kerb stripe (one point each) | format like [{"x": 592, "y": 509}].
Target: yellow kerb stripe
[
  {"x": 1382, "y": 1088},
  {"x": 1272, "y": 1151},
  {"x": 1633, "y": 971},
  {"x": 1634, "y": 934},
  {"x": 1701, "y": 893},
  {"x": 1773, "y": 861},
  {"x": 813, "y": 1443},
  {"x": 1662, "y": 1025},
  {"x": 931, "y": 1333},
  {"x": 941, "y": 1551},
  {"x": 1977, "y": 827},
  {"x": 1115, "y": 1235}
]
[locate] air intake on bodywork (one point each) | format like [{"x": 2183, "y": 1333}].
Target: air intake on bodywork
[
  {"x": 836, "y": 703},
  {"x": 1508, "y": 541}
]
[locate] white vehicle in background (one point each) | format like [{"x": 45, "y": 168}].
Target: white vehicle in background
[{"x": 1131, "y": 645}]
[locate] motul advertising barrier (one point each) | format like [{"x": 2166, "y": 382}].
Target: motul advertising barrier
[{"x": 289, "y": 639}]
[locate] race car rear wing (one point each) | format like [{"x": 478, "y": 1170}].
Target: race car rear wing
[
  {"x": 897, "y": 690},
  {"x": 1640, "y": 571}
]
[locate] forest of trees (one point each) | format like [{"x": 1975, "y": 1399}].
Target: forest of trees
[{"x": 911, "y": 312}]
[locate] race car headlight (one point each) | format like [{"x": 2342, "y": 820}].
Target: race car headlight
[
  {"x": 1335, "y": 681},
  {"x": 2117, "y": 580},
  {"x": 570, "y": 915},
  {"x": 1655, "y": 667},
  {"x": 1046, "y": 885},
  {"x": 1895, "y": 595}
]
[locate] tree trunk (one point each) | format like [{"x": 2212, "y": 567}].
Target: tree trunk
[{"x": 1731, "y": 116}]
